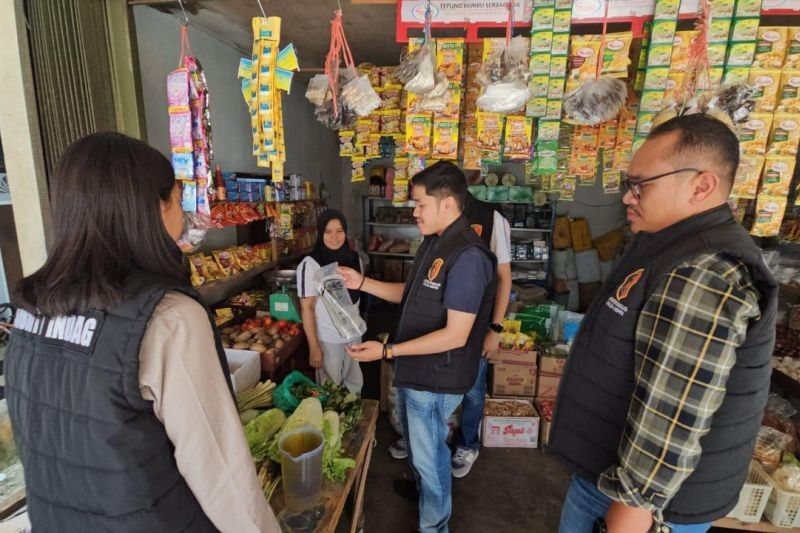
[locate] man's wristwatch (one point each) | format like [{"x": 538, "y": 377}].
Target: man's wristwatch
[
  {"x": 388, "y": 350},
  {"x": 497, "y": 328}
]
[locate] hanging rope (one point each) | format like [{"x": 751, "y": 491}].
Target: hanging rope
[
  {"x": 599, "y": 70},
  {"x": 428, "y": 22},
  {"x": 510, "y": 23},
  {"x": 186, "y": 48},
  {"x": 339, "y": 50},
  {"x": 185, "y": 17},
  {"x": 261, "y": 6}
]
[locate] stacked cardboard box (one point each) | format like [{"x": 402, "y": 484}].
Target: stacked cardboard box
[{"x": 514, "y": 373}]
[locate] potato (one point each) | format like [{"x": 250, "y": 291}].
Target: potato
[
  {"x": 274, "y": 330},
  {"x": 286, "y": 337},
  {"x": 241, "y": 346},
  {"x": 279, "y": 344},
  {"x": 257, "y": 330},
  {"x": 266, "y": 340},
  {"x": 258, "y": 347},
  {"x": 229, "y": 330},
  {"x": 244, "y": 336}
]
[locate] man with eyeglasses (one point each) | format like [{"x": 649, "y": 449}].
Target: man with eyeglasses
[{"x": 666, "y": 383}]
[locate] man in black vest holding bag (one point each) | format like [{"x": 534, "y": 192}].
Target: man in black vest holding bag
[
  {"x": 665, "y": 387},
  {"x": 446, "y": 307}
]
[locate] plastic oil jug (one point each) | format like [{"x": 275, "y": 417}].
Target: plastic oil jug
[{"x": 301, "y": 467}]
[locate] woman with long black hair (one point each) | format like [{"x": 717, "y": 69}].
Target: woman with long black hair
[
  {"x": 325, "y": 343},
  {"x": 118, "y": 388}
]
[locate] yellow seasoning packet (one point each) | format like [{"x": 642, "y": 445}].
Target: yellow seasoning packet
[
  {"x": 748, "y": 175},
  {"x": 771, "y": 47},
  {"x": 744, "y": 29},
  {"x": 445, "y": 138},
  {"x": 584, "y": 54},
  {"x": 785, "y": 135},
  {"x": 792, "y": 60},
  {"x": 357, "y": 169},
  {"x": 674, "y": 86},
  {"x": 450, "y": 58},
  {"x": 616, "y": 52},
  {"x": 347, "y": 143},
  {"x": 666, "y": 9},
  {"x": 789, "y": 93},
  {"x": 754, "y": 134},
  {"x": 518, "y": 137},
  {"x": 656, "y": 78},
  {"x": 390, "y": 122},
  {"x": 472, "y": 156},
  {"x": 659, "y": 55},
  {"x": 778, "y": 172},
  {"x": 767, "y": 83},
  {"x": 418, "y": 133},
  {"x": 373, "y": 149},
  {"x": 363, "y": 129},
  {"x": 741, "y": 54},
  {"x": 490, "y": 130},
  {"x": 679, "y": 58},
  {"x": 769, "y": 216}
]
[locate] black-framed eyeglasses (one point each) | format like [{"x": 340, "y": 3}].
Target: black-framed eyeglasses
[{"x": 634, "y": 186}]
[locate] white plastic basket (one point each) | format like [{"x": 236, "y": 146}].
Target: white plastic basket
[
  {"x": 752, "y": 498},
  {"x": 783, "y": 506}
]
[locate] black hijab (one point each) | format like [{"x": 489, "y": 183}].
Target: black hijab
[{"x": 344, "y": 255}]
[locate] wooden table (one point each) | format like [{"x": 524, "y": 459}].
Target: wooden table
[{"x": 358, "y": 445}]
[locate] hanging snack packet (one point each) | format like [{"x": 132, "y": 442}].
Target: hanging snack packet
[
  {"x": 518, "y": 137},
  {"x": 680, "y": 49},
  {"x": 453, "y": 106},
  {"x": 769, "y": 216},
  {"x": 789, "y": 93},
  {"x": 450, "y": 58},
  {"x": 418, "y": 134},
  {"x": 226, "y": 262},
  {"x": 334, "y": 295},
  {"x": 357, "y": 169},
  {"x": 212, "y": 267},
  {"x": 197, "y": 269},
  {"x": 445, "y": 138},
  {"x": 390, "y": 122},
  {"x": 778, "y": 172},
  {"x": 390, "y": 96},
  {"x": 616, "y": 52},
  {"x": 373, "y": 149},
  {"x": 785, "y": 135},
  {"x": 347, "y": 146},
  {"x": 771, "y": 47},
  {"x": 754, "y": 134},
  {"x": 792, "y": 60},
  {"x": 767, "y": 83},
  {"x": 490, "y": 131},
  {"x": 180, "y": 131},
  {"x": 583, "y": 57},
  {"x": 472, "y": 156},
  {"x": 400, "y": 194},
  {"x": 745, "y": 185},
  {"x": 363, "y": 126}
]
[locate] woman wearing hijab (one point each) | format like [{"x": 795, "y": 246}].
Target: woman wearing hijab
[{"x": 325, "y": 345}]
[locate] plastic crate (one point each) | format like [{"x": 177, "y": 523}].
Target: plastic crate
[
  {"x": 752, "y": 498},
  {"x": 783, "y": 506}
]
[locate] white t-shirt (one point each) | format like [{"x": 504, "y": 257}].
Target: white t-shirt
[
  {"x": 326, "y": 331},
  {"x": 500, "y": 243}
]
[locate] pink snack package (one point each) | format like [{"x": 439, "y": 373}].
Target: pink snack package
[
  {"x": 180, "y": 131},
  {"x": 178, "y": 89}
]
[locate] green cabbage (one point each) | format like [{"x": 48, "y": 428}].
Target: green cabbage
[
  {"x": 334, "y": 467},
  {"x": 260, "y": 431}
]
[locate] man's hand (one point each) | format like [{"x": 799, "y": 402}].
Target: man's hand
[
  {"x": 490, "y": 343},
  {"x": 352, "y": 278},
  {"x": 366, "y": 351},
  {"x": 623, "y": 519},
  {"x": 315, "y": 357}
]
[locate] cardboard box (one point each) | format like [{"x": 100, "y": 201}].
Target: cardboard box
[
  {"x": 580, "y": 235},
  {"x": 551, "y": 364},
  {"x": 547, "y": 386},
  {"x": 511, "y": 431},
  {"x": 609, "y": 244},
  {"x": 561, "y": 234},
  {"x": 245, "y": 367},
  {"x": 545, "y": 409},
  {"x": 514, "y": 373}
]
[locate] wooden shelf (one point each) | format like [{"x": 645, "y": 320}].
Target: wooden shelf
[{"x": 532, "y": 230}]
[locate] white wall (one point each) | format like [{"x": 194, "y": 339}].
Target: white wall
[{"x": 311, "y": 149}]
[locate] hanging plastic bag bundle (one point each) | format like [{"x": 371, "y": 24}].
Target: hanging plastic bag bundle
[
  {"x": 417, "y": 69},
  {"x": 505, "y": 73},
  {"x": 344, "y": 314},
  {"x": 598, "y": 100}
]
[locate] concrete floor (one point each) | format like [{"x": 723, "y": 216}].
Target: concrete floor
[{"x": 508, "y": 490}]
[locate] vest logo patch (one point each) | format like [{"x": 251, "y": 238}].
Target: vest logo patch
[
  {"x": 436, "y": 267},
  {"x": 629, "y": 283},
  {"x": 478, "y": 229},
  {"x": 78, "y": 330}
]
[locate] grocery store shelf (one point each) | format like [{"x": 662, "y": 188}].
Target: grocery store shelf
[
  {"x": 409, "y": 203},
  {"x": 389, "y": 254},
  {"x": 216, "y": 291},
  {"x": 532, "y": 230},
  {"x": 391, "y": 224}
]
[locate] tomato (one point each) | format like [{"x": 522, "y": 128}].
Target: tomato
[
  {"x": 282, "y": 324},
  {"x": 267, "y": 321}
]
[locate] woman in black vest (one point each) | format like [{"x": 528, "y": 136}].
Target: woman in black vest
[{"x": 117, "y": 386}]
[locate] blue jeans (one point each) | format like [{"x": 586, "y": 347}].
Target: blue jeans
[
  {"x": 585, "y": 503},
  {"x": 472, "y": 411},
  {"x": 424, "y": 417}
]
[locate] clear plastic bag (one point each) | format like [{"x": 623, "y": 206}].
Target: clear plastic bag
[
  {"x": 437, "y": 98},
  {"x": 596, "y": 101},
  {"x": 425, "y": 78},
  {"x": 770, "y": 445},
  {"x": 333, "y": 291},
  {"x": 317, "y": 89},
  {"x": 504, "y": 97},
  {"x": 195, "y": 227},
  {"x": 359, "y": 96}
]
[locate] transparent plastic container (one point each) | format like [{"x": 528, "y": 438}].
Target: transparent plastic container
[{"x": 301, "y": 467}]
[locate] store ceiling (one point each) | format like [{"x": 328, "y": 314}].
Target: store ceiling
[{"x": 370, "y": 27}]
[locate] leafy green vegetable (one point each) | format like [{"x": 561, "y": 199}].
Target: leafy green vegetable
[
  {"x": 260, "y": 431},
  {"x": 308, "y": 413},
  {"x": 334, "y": 467},
  {"x": 344, "y": 402},
  {"x": 248, "y": 415}
]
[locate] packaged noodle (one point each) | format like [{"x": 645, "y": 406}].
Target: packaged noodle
[
  {"x": 666, "y": 9},
  {"x": 242, "y": 258},
  {"x": 541, "y": 41},
  {"x": 374, "y": 122},
  {"x": 656, "y": 78},
  {"x": 754, "y": 134},
  {"x": 390, "y": 122},
  {"x": 663, "y": 32},
  {"x": 445, "y": 138},
  {"x": 518, "y": 137},
  {"x": 651, "y": 101},
  {"x": 789, "y": 93},
  {"x": 748, "y": 175},
  {"x": 778, "y": 172},
  {"x": 616, "y": 52},
  {"x": 357, "y": 169},
  {"x": 540, "y": 63},
  {"x": 716, "y": 54},
  {"x": 450, "y": 58},
  {"x": 418, "y": 134},
  {"x": 719, "y": 30},
  {"x": 771, "y": 47},
  {"x": 453, "y": 107},
  {"x": 539, "y": 85},
  {"x": 609, "y": 131},
  {"x": 659, "y": 55},
  {"x": 347, "y": 145},
  {"x": 748, "y": 8},
  {"x": 472, "y": 156},
  {"x": 373, "y": 149},
  {"x": 792, "y": 60},
  {"x": 560, "y": 44},
  {"x": 723, "y": 8},
  {"x": 197, "y": 266},
  {"x": 490, "y": 130},
  {"x": 584, "y": 54},
  {"x": 674, "y": 88},
  {"x": 744, "y": 29},
  {"x": 767, "y": 82},
  {"x": 227, "y": 264},
  {"x": 390, "y": 96},
  {"x": 785, "y": 135},
  {"x": 769, "y": 216},
  {"x": 741, "y": 54}
]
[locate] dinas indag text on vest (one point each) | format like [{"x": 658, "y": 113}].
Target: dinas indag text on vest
[{"x": 74, "y": 329}]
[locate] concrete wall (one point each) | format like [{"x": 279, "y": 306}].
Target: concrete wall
[{"x": 311, "y": 149}]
